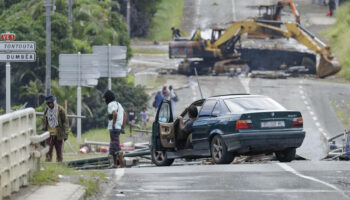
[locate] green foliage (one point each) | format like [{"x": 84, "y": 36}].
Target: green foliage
[
  {"x": 340, "y": 40},
  {"x": 169, "y": 14}
]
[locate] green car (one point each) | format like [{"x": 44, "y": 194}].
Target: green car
[{"x": 227, "y": 126}]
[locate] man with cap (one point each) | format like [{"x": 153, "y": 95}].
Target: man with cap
[
  {"x": 115, "y": 122},
  {"x": 56, "y": 122}
]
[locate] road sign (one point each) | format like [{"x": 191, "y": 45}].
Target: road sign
[
  {"x": 17, "y": 46},
  {"x": 70, "y": 72},
  {"x": 8, "y": 36},
  {"x": 112, "y": 61},
  {"x": 17, "y": 57}
]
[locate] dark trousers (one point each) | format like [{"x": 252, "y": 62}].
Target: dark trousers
[{"x": 52, "y": 141}]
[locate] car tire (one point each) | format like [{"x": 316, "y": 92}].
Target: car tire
[
  {"x": 219, "y": 152},
  {"x": 286, "y": 155},
  {"x": 159, "y": 158}
]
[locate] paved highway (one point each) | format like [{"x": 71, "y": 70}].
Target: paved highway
[{"x": 297, "y": 180}]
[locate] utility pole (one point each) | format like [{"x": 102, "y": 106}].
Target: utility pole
[
  {"x": 70, "y": 12},
  {"x": 48, "y": 6},
  {"x": 128, "y": 16},
  {"x": 8, "y": 87}
]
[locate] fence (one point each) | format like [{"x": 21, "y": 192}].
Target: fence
[{"x": 19, "y": 150}]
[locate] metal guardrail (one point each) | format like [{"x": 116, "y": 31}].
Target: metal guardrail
[
  {"x": 342, "y": 151},
  {"x": 19, "y": 149}
]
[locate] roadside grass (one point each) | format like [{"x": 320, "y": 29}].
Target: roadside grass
[
  {"x": 342, "y": 110},
  {"x": 148, "y": 51},
  {"x": 169, "y": 14},
  {"x": 51, "y": 172},
  {"x": 338, "y": 34}
]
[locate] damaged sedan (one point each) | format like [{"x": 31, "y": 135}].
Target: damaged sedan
[{"x": 227, "y": 126}]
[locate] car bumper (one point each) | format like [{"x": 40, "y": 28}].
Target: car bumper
[{"x": 255, "y": 142}]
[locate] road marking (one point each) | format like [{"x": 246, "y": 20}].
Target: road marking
[
  {"x": 312, "y": 113},
  {"x": 245, "y": 83},
  {"x": 308, "y": 107},
  {"x": 314, "y": 118},
  {"x": 300, "y": 86},
  {"x": 303, "y": 97},
  {"x": 234, "y": 10},
  {"x": 293, "y": 171},
  {"x": 306, "y": 103},
  {"x": 318, "y": 124},
  {"x": 301, "y": 92},
  {"x": 176, "y": 190},
  {"x": 119, "y": 173}
]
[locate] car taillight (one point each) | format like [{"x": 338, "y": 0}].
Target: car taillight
[
  {"x": 297, "y": 122},
  {"x": 244, "y": 124}
]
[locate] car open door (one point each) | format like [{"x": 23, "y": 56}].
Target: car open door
[{"x": 163, "y": 125}]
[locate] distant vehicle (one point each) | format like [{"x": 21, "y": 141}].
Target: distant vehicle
[{"x": 227, "y": 126}]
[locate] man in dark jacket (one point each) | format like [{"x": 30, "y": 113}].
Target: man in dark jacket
[
  {"x": 56, "y": 122},
  {"x": 332, "y": 6}
]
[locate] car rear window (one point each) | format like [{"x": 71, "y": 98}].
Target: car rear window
[{"x": 239, "y": 105}]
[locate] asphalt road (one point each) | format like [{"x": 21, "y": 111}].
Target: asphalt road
[{"x": 297, "y": 180}]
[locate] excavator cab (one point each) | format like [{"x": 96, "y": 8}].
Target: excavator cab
[{"x": 267, "y": 11}]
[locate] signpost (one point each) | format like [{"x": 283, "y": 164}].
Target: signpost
[
  {"x": 85, "y": 70},
  {"x": 14, "y": 51}
]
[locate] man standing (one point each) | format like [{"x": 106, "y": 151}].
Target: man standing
[
  {"x": 56, "y": 122},
  {"x": 115, "y": 122},
  {"x": 173, "y": 98}
]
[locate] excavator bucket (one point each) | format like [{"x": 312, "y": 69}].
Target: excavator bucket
[{"x": 327, "y": 67}]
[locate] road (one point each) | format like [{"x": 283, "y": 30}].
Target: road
[{"x": 297, "y": 180}]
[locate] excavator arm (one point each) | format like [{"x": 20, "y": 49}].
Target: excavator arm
[{"x": 327, "y": 64}]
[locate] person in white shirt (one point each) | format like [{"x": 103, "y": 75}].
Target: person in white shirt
[
  {"x": 173, "y": 99},
  {"x": 115, "y": 122}
]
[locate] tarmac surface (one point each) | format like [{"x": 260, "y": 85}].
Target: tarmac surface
[{"x": 296, "y": 180}]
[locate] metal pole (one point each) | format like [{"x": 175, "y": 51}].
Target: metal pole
[
  {"x": 8, "y": 87},
  {"x": 48, "y": 48},
  {"x": 128, "y": 16},
  {"x": 109, "y": 67},
  {"x": 199, "y": 85},
  {"x": 79, "y": 100},
  {"x": 70, "y": 12}
]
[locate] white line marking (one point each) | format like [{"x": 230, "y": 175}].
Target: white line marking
[
  {"x": 300, "y": 86},
  {"x": 308, "y": 107},
  {"x": 318, "y": 124},
  {"x": 293, "y": 171},
  {"x": 303, "y": 97},
  {"x": 301, "y": 92},
  {"x": 245, "y": 83},
  {"x": 314, "y": 118},
  {"x": 141, "y": 190},
  {"x": 119, "y": 173},
  {"x": 234, "y": 10},
  {"x": 312, "y": 113},
  {"x": 306, "y": 103}
]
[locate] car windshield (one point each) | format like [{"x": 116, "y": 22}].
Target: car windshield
[{"x": 239, "y": 105}]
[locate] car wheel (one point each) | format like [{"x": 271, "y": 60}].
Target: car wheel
[
  {"x": 286, "y": 155},
  {"x": 219, "y": 151},
  {"x": 159, "y": 158}
]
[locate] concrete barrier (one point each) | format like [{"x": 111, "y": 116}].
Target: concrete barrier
[{"x": 17, "y": 159}]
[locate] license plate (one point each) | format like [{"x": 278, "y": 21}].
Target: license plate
[{"x": 272, "y": 124}]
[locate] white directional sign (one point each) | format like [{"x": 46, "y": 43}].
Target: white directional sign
[
  {"x": 112, "y": 60},
  {"x": 17, "y": 46},
  {"x": 70, "y": 71},
  {"x": 17, "y": 57}
]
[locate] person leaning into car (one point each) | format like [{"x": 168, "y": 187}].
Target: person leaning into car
[{"x": 187, "y": 128}]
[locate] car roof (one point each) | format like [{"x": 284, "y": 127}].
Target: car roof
[{"x": 230, "y": 96}]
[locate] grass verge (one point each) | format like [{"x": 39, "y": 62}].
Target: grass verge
[
  {"x": 148, "y": 51},
  {"x": 338, "y": 35},
  {"x": 169, "y": 14},
  {"x": 51, "y": 172}
]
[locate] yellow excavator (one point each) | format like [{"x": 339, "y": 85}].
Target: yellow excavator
[{"x": 224, "y": 49}]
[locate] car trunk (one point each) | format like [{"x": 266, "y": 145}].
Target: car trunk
[{"x": 267, "y": 120}]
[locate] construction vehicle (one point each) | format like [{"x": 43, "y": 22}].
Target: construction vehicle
[
  {"x": 224, "y": 50},
  {"x": 273, "y": 11}
]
